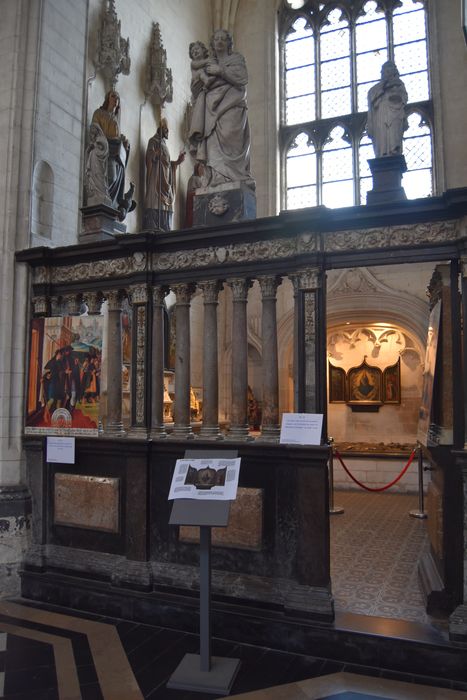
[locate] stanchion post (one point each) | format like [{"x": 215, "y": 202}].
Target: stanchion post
[
  {"x": 333, "y": 510},
  {"x": 420, "y": 513}
]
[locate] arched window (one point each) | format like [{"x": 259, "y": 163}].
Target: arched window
[{"x": 331, "y": 55}]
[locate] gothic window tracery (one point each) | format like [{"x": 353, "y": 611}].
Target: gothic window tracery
[{"x": 331, "y": 55}]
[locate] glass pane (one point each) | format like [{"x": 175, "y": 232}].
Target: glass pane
[
  {"x": 300, "y": 146},
  {"x": 417, "y": 152},
  {"x": 300, "y": 53},
  {"x": 338, "y": 194},
  {"x": 411, "y": 57},
  {"x": 334, "y": 44},
  {"x": 301, "y": 170},
  {"x": 369, "y": 66},
  {"x": 299, "y": 30},
  {"x": 301, "y": 197},
  {"x": 370, "y": 9},
  {"x": 300, "y": 109},
  {"x": 416, "y": 127},
  {"x": 295, "y": 4},
  {"x": 416, "y": 86},
  {"x": 336, "y": 19},
  {"x": 362, "y": 96},
  {"x": 371, "y": 36},
  {"x": 337, "y": 165},
  {"x": 366, "y": 184},
  {"x": 365, "y": 152},
  {"x": 336, "y": 139},
  {"x": 335, "y": 103},
  {"x": 300, "y": 81},
  {"x": 409, "y": 27},
  {"x": 417, "y": 183},
  {"x": 335, "y": 74}
]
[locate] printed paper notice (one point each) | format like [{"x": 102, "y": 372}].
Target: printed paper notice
[
  {"x": 61, "y": 449},
  {"x": 301, "y": 428},
  {"x": 205, "y": 479}
]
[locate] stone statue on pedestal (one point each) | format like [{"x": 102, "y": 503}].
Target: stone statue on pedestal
[
  {"x": 387, "y": 120},
  {"x": 96, "y": 183},
  {"x": 219, "y": 132},
  {"x": 106, "y": 118},
  {"x": 161, "y": 173}
]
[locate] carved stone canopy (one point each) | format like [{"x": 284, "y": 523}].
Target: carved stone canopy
[
  {"x": 113, "y": 53},
  {"x": 159, "y": 85}
]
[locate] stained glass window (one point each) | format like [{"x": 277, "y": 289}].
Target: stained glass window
[{"x": 332, "y": 54}]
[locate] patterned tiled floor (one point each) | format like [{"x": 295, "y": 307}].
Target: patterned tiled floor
[{"x": 375, "y": 549}]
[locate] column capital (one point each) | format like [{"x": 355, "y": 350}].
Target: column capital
[
  {"x": 269, "y": 285},
  {"x": 159, "y": 292},
  {"x": 40, "y": 305},
  {"x": 93, "y": 301},
  {"x": 210, "y": 289},
  {"x": 73, "y": 304},
  {"x": 114, "y": 299},
  {"x": 183, "y": 291},
  {"x": 139, "y": 294},
  {"x": 308, "y": 279},
  {"x": 239, "y": 287}
]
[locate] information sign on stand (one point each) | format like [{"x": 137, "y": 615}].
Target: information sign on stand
[{"x": 203, "y": 672}]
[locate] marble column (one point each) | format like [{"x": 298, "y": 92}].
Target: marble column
[
  {"x": 270, "y": 403},
  {"x": 309, "y": 342},
  {"x": 114, "y": 425},
  {"x": 158, "y": 431},
  {"x": 140, "y": 357},
  {"x": 182, "y": 418},
  {"x": 464, "y": 345},
  {"x": 210, "y": 428},
  {"x": 239, "y": 402}
]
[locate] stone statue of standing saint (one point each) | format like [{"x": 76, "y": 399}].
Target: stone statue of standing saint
[
  {"x": 387, "y": 120},
  {"x": 386, "y": 123}
]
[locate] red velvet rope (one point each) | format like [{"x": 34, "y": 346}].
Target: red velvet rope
[{"x": 381, "y": 488}]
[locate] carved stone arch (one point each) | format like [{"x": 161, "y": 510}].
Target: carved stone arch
[
  {"x": 297, "y": 132},
  {"x": 42, "y": 200},
  {"x": 339, "y": 5},
  {"x": 357, "y": 295}
]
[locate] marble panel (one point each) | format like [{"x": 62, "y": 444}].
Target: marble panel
[
  {"x": 91, "y": 502},
  {"x": 245, "y": 528}
]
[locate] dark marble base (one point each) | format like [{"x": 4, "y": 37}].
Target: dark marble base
[
  {"x": 399, "y": 647},
  {"x": 224, "y": 204},
  {"x": 99, "y": 223},
  {"x": 387, "y": 175}
]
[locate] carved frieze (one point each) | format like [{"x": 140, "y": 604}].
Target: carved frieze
[
  {"x": 139, "y": 294},
  {"x": 310, "y": 317},
  {"x": 392, "y": 236},
  {"x": 97, "y": 269}
]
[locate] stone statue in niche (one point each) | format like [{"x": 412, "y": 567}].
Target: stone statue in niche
[
  {"x": 106, "y": 117},
  {"x": 387, "y": 119},
  {"x": 219, "y": 131},
  {"x": 161, "y": 183},
  {"x": 96, "y": 184}
]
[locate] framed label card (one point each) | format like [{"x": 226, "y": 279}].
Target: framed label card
[{"x": 301, "y": 428}]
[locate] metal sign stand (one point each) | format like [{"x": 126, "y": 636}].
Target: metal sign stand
[{"x": 203, "y": 672}]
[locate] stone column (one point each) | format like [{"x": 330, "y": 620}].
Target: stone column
[
  {"x": 157, "y": 374},
  {"x": 114, "y": 425},
  {"x": 72, "y": 304},
  {"x": 210, "y": 427},
  {"x": 464, "y": 346},
  {"x": 239, "y": 402},
  {"x": 182, "y": 419},
  {"x": 310, "y": 342},
  {"x": 40, "y": 306},
  {"x": 270, "y": 404},
  {"x": 139, "y": 360}
]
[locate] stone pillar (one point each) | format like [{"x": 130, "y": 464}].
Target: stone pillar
[
  {"x": 270, "y": 404},
  {"x": 72, "y": 305},
  {"x": 464, "y": 346},
  {"x": 458, "y": 619},
  {"x": 210, "y": 427},
  {"x": 182, "y": 419},
  {"x": 139, "y": 360},
  {"x": 239, "y": 403},
  {"x": 114, "y": 424},
  {"x": 157, "y": 374},
  {"x": 310, "y": 342}
]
